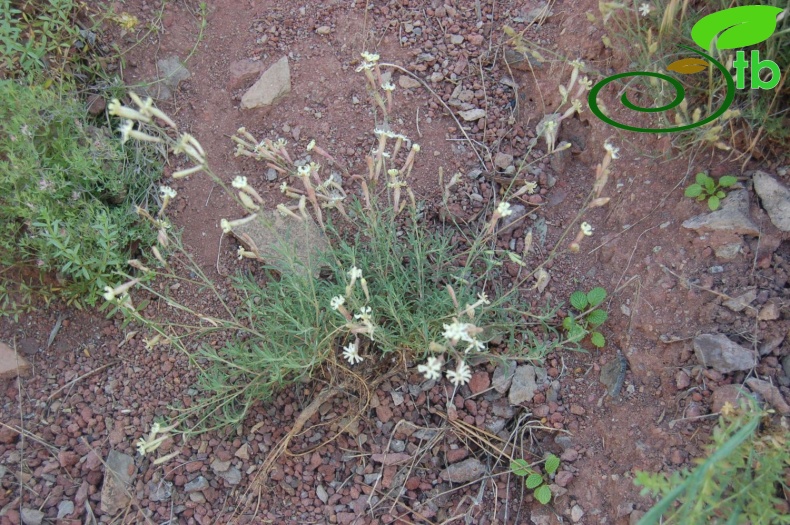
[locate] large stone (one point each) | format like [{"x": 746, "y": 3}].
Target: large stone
[
  {"x": 32, "y": 516},
  {"x": 717, "y": 351},
  {"x": 731, "y": 394},
  {"x": 407, "y": 82},
  {"x": 775, "y": 198},
  {"x": 524, "y": 385},
  {"x": 273, "y": 84},
  {"x": 503, "y": 160},
  {"x": 733, "y": 216},
  {"x": 770, "y": 393},
  {"x": 11, "y": 363},
  {"x": 468, "y": 470},
  {"x": 472, "y": 114},
  {"x": 243, "y": 73},
  {"x": 115, "y": 494}
]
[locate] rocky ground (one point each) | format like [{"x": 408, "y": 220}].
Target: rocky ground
[{"x": 698, "y": 301}]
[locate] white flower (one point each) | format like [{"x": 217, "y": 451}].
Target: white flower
[
  {"x": 392, "y": 172},
  {"x": 586, "y": 229},
  {"x": 284, "y": 187},
  {"x": 530, "y": 187},
  {"x": 415, "y": 147},
  {"x": 364, "y": 66},
  {"x": 354, "y": 273},
  {"x": 432, "y": 369},
  {"x": 370, "y": 57},
  {"x": 504, "y": 209},
  {"x": 577, "y": 64},
  {"x": 645, "y": 9},
  {"x": 126, "y": 127},
  {"x": 456, "y": 331},
  {"x": 389, "y": 86},
  {"x": 461, "y": 375},
  {"x": 337, "y": 302},
  {"x": 483, "y": 298},
  {"x": 239, "y": 182},
  {"x": 108, "y": 294},
  {"x": 311, "y": 145},
  {"x": 303, "y": 171},
  {"x": 167, "y": 192},
  {"x": 351, "y": 354},
  {"x": 586, "y": 82},
  {"x": 615, "y": 152},
  {"x": 476, "y": 345},
  {"x": 364, "y": 314}
]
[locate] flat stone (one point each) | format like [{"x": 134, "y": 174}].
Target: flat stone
[
  {"x": 232, "y": 476},
  {"x": 274, "y": 83},
  {"x": 733, "y": 216},
  {"x": 503, "y": 160},
  {"x": 775, "y": 198},
  {"x": 322, "y": 494},
  {"x": 576, "y": 514},
  {"x": 468, "y": 470},
  {"x": 243, "y": 73},
  {"x": 738, "y": 304},
  {"x": 770, "y": 393},
  {"x": 479, "y": 382},
  {"x": 11, "y": 363},
  {"x": 65, "y": 508},
  {"x": 172, "y": 71},
  {"x": 32, "y": 516},
  {"x": 457, "y": 39},
  {"x": 391, "y": 459},
  {"x": 219, "y": 466},
  {"x": 503, "y": 376},
  {"x": 472, "y": 115},
  {"x": 197, "y": 484},
  {"x": 717, "y": 351},
  {"x": 524, "y": 385},
  {"x": 407, "y": 82},
  {"x": 117, "y": 482}
]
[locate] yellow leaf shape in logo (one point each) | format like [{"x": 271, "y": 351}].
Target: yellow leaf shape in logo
[{"x": 687, "y": 66}]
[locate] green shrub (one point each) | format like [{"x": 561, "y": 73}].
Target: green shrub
[
  {"x": 740, "y": 482},
  {"x": 67, "y": 191}
]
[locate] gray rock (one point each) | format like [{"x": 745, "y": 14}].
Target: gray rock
[
  {"x": 503, "y": 376},
  {"x": 456, "y": 39},
  {"x": 274, "y": 83},
  {"x": 243, "y": 73},
  {"x": 199, "y": 483},
  {"x": 576, "y": 514},
  {"x": 65, "y": 508},
  {"x": 524, "y": 385},
  {"x": 717, "y": 351},
  {"x": 517, "y": 212},
  {"x": 159, "y": 490},
  {"x": 219, "y": 466},
  {"x": 738, "y": 304},
  {"x": 464, "y": 472},
  {"x": 117, "y": 480},
  {"x": 472, "y": 114},
  {"x": 502, "y": 160},
  {"x": 543, "y": 515},
  {"x": 733, "y": 216},
  {"x": 232, "y": 476},
  {"x": 407, "y": 82},
  {"x": 197, "y": 497},
  {"x": 770, "y": 393},
  {"x": 321, "y": 493},
  {"x": 11, "y": 363},
  {"x": 728, "y": 251},
  {"x": 32, "y": 516},
  {"x": 172, "y": 71},
  {"x": 775, "y": 198},
  {"x": 271, "y": 175},
  {"x": 786, "y": 365},
  {"x": 398, "y": 445}
]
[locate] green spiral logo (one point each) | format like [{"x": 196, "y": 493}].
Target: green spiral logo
[{"x": 727, "y": 29}]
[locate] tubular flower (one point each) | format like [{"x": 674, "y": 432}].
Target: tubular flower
[
  {"x": 461, "y": 375},
  {"x": 351, "y": 354}
]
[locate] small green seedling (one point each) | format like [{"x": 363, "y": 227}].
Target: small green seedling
[
  {"x": 707, "y": 188},
  {"x": 588, "y": 318},
  {"x": 533, "y": 479}
]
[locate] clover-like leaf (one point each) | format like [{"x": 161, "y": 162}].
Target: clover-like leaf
[
  {"x": 687, "y": 66},
  {"x": 543, "y": 494},
  {"x": 597, "y": 317},
  {"x": 713, "y": 203},
  {"x": 597, "y": 339},
  {"x": 533, "y": 480},
  {"x": 727, "y": 181},
  {"x": 579, "y": 300},
  {"x": 552, "y": 464},
  {"x": 520, "y": 467},
  {"x": 596, "y": 296},
  {"x": 695, "y": 190},
  {"x": 736, "y": 27}
]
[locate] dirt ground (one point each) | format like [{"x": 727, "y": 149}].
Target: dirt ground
[{"x": 97, "y": 388}]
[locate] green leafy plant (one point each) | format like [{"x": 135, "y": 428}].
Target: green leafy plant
[
  {"x": 533, "y": 479},
  {"x": 587, "y": 317},
  {"x": 706, "y": 187},
  {"x": 741, "y": 481},
  {"x": 67, "y": 193}
]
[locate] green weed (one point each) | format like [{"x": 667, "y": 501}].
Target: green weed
[
  {"x": 533, "y": 479},
  {"x": 706, "y": 187},
  {"x": 587, "y": 318}
]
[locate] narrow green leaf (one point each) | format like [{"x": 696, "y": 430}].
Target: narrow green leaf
[
  {"x": 552, "y": 464},
  {"x": 579, "y": 300},
  {"x": 543, "y": 494},
  {"x": 533, "y": 480}
]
